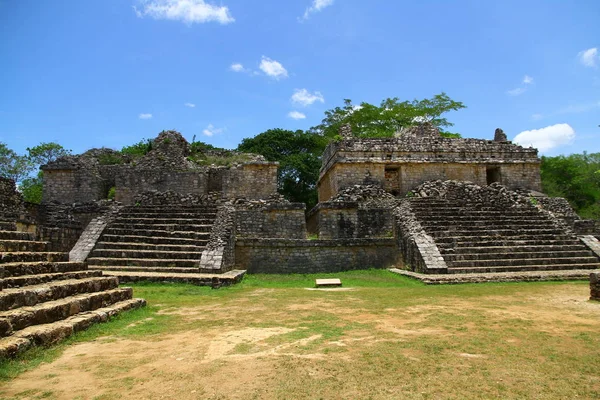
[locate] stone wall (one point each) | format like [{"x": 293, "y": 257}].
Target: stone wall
[
  {"x": 219, "y": 255},
  {"x": 257, "y": 180},
  {"x": 313, "y": 256},
  {"x": 11, "y": 201},
  {"x": 342, "y": 220},
  {"x": 595, "y": 286},
  {"x": 344, "y": 175},
  {"x": 272, "y": 221},
  {"x": 132, "y": 181}
]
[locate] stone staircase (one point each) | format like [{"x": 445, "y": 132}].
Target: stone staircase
[
  {"x": 45, "y": 298},
  {"x": 158, "y": 243},
  {"x": 491, "y": 240}
]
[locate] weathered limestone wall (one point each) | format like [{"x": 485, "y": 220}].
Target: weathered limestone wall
[
  {"x": 252, "y": 180},
  {"x": 342, "y": 220},
  {"x": 72, "y": 186},
  {"x": 412, "y": 175},
  {"x": 272, "y": 221},
  {"x": 313, "y": 256},
  {"x": 131, "y": 181},
  {"x": 11, "y": 201},
  {"x": 344, "y": 175},
  {"x": 595, "y": 286}
]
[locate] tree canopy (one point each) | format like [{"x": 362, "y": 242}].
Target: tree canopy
[{"x": 368, "y": 120}]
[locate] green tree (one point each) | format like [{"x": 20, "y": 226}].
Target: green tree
[
  {"x": 31, "y": 188},
  {"x": 368, "y": 120},
  {"x": 138, "y": 149},
  {"x": 299, "y": 156},
  {"x": 13, "y": 165},
  {"x": 44, "y": 153}
]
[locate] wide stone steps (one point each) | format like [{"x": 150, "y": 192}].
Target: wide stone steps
[
  {"x": 147, "y": 246},
  {"x": 10, "y": 257},
  {"x": 41, "y": 267},
  {"x": 117, "y": 268},
  {"x": 467, "y": 248},
  {"x": 14, "y": 235},
  {"x": 142, "y": 262},
  {"x": 509, "y": 233},
  {"x": 483, "y": 226},
  {"x": 519, "y": 240},
  {"x": 158, "y": 233},
  {"x": 27, "y": 280},
  {"x": 157, "y": 240},
  {"x": 165, "y": 221},
  {"x": 525, "y": 261},
  {"x": 47, "y": 334},
  {"x": 154, "y": 254},
  {"x": 508, "y": 255},
  {"x": 200, "y": 279},
  {"x": 8, "y": 226},
  {"x": 521, "y": 268},
  {"x": 22, "y": 245},
  {"x": 55, "y": 310},
  {"x": 162, "y": 227}
]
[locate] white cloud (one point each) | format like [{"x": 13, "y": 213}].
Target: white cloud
[
  {"x": 145, "y": 116},
  {"x": 272, "y": 68},
  {"x": 516, "y": 92},
  {"x": 190, "y": 105},
  {"x": 237, "y": 67},
  {"x": 316, "y": 6},
  {"x": 527, "y": 80},
  {"x": 296, "y": 115},
  {"x": 188, "y": 11},
  {"x": 210, "y": 130},
  {"x": 589, "y": 57},
  {"x": 546, "y": 138},
  {"x": 305, "y": 98}
]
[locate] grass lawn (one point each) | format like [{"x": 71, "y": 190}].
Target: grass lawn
[{"x": 382, "y": 336}]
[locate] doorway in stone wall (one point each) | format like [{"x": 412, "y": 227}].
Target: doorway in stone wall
[
  {"x": 392, "y": 180},
  {"x": 493, "y": 175}
]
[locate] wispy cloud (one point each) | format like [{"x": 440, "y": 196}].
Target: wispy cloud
[
  {"x": 190, "y": 105},
  {"x": 145, "y": 116},
  {"x": 316, "y": 6},
  {"x": 237, "y": 67},
  {"x": 188, "y": 11},
  {"x": 516, "y": 92},
  {"x": 304, "y": 98},
  {"x": 537, "y": 117},
  {"x": 210, "y": 130},
  {"x": 527, "y": 80},
  {"x": 272, "y": 68},
  {"x": 546, "y": 138},
  {"x": 296, "y": 115},
  {"x": 589, "y": 57}
]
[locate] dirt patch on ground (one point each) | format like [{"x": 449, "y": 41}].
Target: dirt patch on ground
[{"x": 288, "y": 353}]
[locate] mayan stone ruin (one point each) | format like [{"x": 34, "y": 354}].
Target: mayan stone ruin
[{"x": 443, "y": 210}]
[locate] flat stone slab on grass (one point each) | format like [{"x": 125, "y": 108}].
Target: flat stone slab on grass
[{"x": 332, "y": 282}]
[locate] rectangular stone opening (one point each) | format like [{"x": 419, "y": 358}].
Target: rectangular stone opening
[
  {"x": 392, "y": 180},
  {"x": 493, "y": 175}
]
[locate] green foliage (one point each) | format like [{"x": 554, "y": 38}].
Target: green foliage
[
  {"x": 110, "y": 159},
  {"x": 111, "y": 193},
  {"x": 201, "y": 147},
  {"x": 138, "y": 149},
  {"x": 13, "y": 165},
  {"x": 368, "y": 120},
  {"x": 299, "y": 156},
  {"x": 575, "y": 177},
  {"x": 44, "y": 153},
  {"x": 31, "y": 188}
]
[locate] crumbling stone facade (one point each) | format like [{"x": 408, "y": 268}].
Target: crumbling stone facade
[
  {"x": 420, "y": 154},
  {"x": 595, "y": 286},
  {"x": 11, "y": 201}
]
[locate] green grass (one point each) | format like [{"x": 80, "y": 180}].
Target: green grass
[{"x": 520, "y": 346}]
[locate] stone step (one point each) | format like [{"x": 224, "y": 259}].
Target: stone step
[
  {"x": 144, "y": 262},
  {"x": 27, "y": 256},
  {"x": 8, "y": 226},
  {"x": 154, "y": 254},
  {"x": 487, "y": 226},
  {"x": 160, "y": 240},
  {"x": 47, "y": 334},
  {"x": 504, "y": 268},
  {"x": 144, "y": 269},
  {"x": 505, "y": 233},
  {"x": 162, "y": 227},
  {"x": 41, "y": 267},
  {"x": 158, "y": 233},
  {"x": 524, "y": 261},
  {"x": 467, "y": 219},
  {"x": 146, "y": 246},
  {"x": 508, "y": 255},
  {"x": 28, "y": 280},
  {"x": 22, "y": 245},
  {"x": 457, "y": 211},
  {"x": 55, "y": 310},
  {"x": 32, "y": 295},
  {"x": 14, "y": 235},
  {"x": 510, "y": 249},
  {"x": 215, "y": 280},
  {"x": 523, "y": 240},
  {"x": 169, "y": 212},
  {"x": 163, "y": 221}
]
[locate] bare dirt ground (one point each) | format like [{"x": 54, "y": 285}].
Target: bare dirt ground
[{"x": 533, "y": 342}]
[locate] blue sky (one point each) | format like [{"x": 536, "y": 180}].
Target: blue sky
[{"x": 110, "y": 72}]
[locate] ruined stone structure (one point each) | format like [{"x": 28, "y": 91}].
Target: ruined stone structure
[{"x": 420, "y": 154}]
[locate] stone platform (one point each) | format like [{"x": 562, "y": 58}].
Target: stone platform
[
  {"x": 214, "y": 280},
  {"x": 523, "y": 276}
]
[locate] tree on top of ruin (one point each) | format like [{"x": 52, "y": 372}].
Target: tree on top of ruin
[{"x": 392, "y": 115}]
